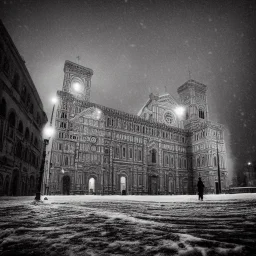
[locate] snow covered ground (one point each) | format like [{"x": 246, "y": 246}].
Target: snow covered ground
[{"x": 129, "y": 225}]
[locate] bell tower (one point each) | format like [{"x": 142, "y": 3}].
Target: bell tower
[
  {"x": 77, "y": 80},
  {"x": 193, "y": 95}
]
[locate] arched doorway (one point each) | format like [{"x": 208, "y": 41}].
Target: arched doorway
[
  {"x": 123, "y": 185},
  {"x": 92, "y": 186},
  {"x": 153, "y": 185},
  {"x": 185, "y": 186},
  {"x": 15, "y": 182},
  {"x": 66, "y": 185},
  {"x": 171, "y": 186},
  {"x": 6, "y": 185}
]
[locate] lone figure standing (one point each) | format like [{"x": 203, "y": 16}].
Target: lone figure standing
[{"x": 200, "y": 186}]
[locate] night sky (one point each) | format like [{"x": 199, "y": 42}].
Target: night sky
[{"x": 139, "y": 47}]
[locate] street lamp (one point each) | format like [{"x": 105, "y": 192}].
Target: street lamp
[
  {"x": 218, "y": 164},
  {"x": 48, "y": 132},
  {"x": 38, "y": 193}
]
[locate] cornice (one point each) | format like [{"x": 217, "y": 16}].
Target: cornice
[{"x": 120, "y": 114}]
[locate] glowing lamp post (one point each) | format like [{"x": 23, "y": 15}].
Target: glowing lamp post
[{"x": 47, "y": 132}]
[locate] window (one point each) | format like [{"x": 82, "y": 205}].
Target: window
[
  {"x": 166, "y": 160},
  {"x": 139, "y": 155},
  {"x": 124, "y": 152},
  {"x": 140, "y": 180},
  {"x": 117, "y": 151},
  {"x": 130, "y": 153},
  {"x": 66, "y": 160},
  {"x": 16, "y": 81},
  {"x": 3, "y": 108},
  {"x": 63, "y": 125},
  {"x": 153, "y": 156},
  {"x": 27, "y": 134},
  {"x": 201, "y": 113},
  {"x": 23, "y": 93},
  {"x": 214, "y": 161},
  {"x": 20, "y": 127}
]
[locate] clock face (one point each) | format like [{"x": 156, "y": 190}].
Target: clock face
[{"x": 168, "y": 118}]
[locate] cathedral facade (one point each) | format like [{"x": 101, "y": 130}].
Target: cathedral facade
[{"x": 161, "y": 151}]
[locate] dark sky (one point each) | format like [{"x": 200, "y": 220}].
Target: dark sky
[{"x": 138, "y": 47}]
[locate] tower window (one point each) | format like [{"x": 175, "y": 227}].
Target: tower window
[{"x": 201, "y": 113}]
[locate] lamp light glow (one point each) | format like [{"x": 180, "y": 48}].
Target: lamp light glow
[
  {"x": 249, "y": 163},
  {"x": 180, "y": 111},
  {"x": 48, "y": 131},
  {"x": 54, "y": 100},
  {"x": 77, "y": 86}
]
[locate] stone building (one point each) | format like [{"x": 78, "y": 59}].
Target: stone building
[
  {"x": 162, "y": 150},
  {"x": 21, "y": 121}
]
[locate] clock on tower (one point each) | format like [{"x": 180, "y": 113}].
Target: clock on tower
[{"x": 77, "y": 80}]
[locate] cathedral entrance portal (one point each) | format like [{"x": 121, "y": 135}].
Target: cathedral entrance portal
[
  {"x": 123, "y": 185},
  {"x": 92, "y": 186},
  {"x": 66, "y": 185},
  {"x": 153, "y": 185}
]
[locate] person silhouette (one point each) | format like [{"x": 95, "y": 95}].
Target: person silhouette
[{"x": 200, "y": 186}]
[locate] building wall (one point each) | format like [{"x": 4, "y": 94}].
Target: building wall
[{"x": 21, "y": 121}]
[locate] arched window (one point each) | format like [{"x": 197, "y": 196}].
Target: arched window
[
  {"x": 18, "y": 151},
  {"x": 166, "y": 160},
  {"x": 214, "y": 161},
  {"x": 3, "y": 108},
  {"x": 201, "y": 113},
  {"x": 179, "y": 162},
  {"x": 66, "y": 160},
  {"x": 12, "y": 119},
  {"x": 16, "y": 81},
  {"x": 198, "y": 161},
  {"x": 20, "y": 127},
  {"x": 27, "y": 134},
  {"x": 153, "y": 156},
  {"x": 124, "y": 152},
  {"x": 108, "y": 121},
  {"x": 23, "y": 93}
]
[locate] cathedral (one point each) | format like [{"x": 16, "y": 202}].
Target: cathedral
[{"x": 162, "y": 150}]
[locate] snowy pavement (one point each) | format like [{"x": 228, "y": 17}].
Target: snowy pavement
[{"x": 128, "y": 225}]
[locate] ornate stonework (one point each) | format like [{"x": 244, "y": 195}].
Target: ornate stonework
[{"x": 155, "y": 152}]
